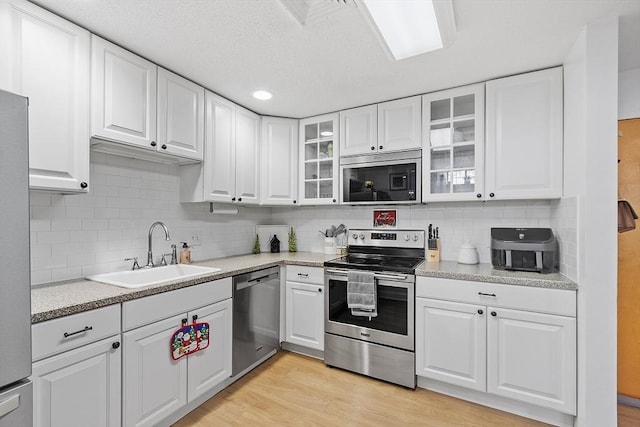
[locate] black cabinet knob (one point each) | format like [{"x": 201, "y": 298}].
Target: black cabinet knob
[
  {"x": 83, "y": 184},
  {"x": 480, "y": 311},
  {"x": 239, "y": 199},
  {"x": 380, "y": 147},
  {"x": 478, "y": 195},
  {"x": 164, "y": 146},
  {"x": 233, "y": 199},
  {"x": 334, "y": 200},
  {"x": 373, "y": 148},
  {"x": 294, "y": 202},
  {"x": 319, "y": 289},
  {"x": 153, "y": 143},
  {"x": 194, "y": 317},
  {"x": 491, "y": 195},
  {"x": 184, "y": 321},
  {"x": 115, "y": 345},
  {"x": 494, "y": 314}
]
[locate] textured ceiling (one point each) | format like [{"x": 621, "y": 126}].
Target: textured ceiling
[{"x": 234, "y": 47}]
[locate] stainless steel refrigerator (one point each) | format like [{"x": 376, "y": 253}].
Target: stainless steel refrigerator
[{"x": 16, "y": 392}]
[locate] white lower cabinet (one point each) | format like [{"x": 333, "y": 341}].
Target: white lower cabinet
[
  {"x": 516, "y": 342},
  {"x": 79, "y": 387},
  {"x": 154, "y": 385},
  {"x": 305, "y": 315},
  {"x": 304, "y": 307}
]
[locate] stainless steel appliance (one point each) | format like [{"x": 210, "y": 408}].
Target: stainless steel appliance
[
  {"x": 381, "y": 346},
  {"x": 526, "y": 249},
  {"x": 390, "y": 178},
  {"x": 16, "y": 391},
  {"x": 256, "y": 318}
]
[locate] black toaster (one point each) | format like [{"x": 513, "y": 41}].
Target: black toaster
[{"x": 525, "y": 249}]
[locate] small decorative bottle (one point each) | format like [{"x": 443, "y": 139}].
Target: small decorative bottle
[
  {"x": 292, "y": 241},
  {"x": 275, "y": 244},
  {"x": 185, "y": 254}
]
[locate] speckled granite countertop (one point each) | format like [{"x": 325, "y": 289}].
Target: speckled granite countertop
[
  {"x": 486, "y": 273},
  {"x": 62, "y": 299}
]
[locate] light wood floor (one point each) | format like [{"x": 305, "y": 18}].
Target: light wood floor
[
  {"x": 294, "y": 390},
  {"x": 628, "y": 416}
]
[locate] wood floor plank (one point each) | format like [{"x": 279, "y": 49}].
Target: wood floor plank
[{"x": 294, "y": 390}]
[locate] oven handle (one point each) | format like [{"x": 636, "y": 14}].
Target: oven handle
[{"x": 375, "y": 275}]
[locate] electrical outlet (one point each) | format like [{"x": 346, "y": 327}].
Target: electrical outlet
[{"x": 194, "y": 240}]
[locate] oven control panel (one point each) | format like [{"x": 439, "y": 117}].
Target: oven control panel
[{"x": 394, "y": 239}]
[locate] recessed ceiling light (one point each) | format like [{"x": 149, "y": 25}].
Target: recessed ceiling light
[{"x": 262, "y": 95}]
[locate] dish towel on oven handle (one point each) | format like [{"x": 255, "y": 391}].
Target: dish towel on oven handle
[{"x": 361, "y": 294}]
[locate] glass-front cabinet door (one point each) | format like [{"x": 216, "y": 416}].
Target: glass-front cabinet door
[
  {"x": 453, "y": 146},
  {"x": 319, "y": 172}
]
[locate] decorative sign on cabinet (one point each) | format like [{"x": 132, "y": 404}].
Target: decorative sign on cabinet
[
  {"x": 319, "y": 154},
  {"x": 58, "y": 148}
]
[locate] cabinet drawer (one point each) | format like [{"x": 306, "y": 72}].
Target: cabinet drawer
[
  {"x": 49, "y": 338},
  {"x": 150, "y": 309},
  {"x": 544, "y": 300},
  {"x": 297, "y": 273}
]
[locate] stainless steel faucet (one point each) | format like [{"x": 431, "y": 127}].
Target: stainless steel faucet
[{"x": 150, "y": 252}]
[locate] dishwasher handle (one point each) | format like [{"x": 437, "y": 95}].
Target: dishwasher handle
[{"x": 247, "y": 284}]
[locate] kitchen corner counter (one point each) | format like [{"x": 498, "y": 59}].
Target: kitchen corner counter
[
  {"x": 486, "y": 273},
  {"x": 71, "y": 297}
]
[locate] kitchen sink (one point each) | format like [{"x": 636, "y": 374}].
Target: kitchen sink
[{"x": 152, "y": 276}]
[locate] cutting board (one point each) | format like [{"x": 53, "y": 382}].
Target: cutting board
[{"x": 266, "y": 232}]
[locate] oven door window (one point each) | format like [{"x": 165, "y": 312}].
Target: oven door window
[{"x": 392, "y": 305}]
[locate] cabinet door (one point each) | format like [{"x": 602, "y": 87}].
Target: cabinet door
[
  {"x": 305, "y": 315},
  {"x": 123, "y": 95},
  {"x": 78, "y": 387},
  {"x": 359, "y": 130},
  {"x": 319, "y": 153},
  {"x": 451, "y": 342},
  {"x": 209, "y": 367},
  {"x": 532, "y": 357},
  {"x": 279, "y": 164},
  {"x": 155, "y": 385},
  {"x": 219, "y": 167},
  {"x": 399, "y": 125},
  {"x": 180, "y": 116},
  {"x": 524, "y": 136},
  {"x": 453, "y": 150},
  {"x": 246, "y": 152},
  {"x": 47, "y": 59}
]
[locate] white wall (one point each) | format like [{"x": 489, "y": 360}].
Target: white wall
[
  {"x": 629, "y": 94},
  {"x": 74, "y": 236},
  {"x": 591, "y": 102}
]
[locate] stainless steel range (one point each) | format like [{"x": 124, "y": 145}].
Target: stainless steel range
[{"x": 370, "y": 303}]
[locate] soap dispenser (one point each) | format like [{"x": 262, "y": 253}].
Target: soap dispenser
[{"x": 185, "y": 254}]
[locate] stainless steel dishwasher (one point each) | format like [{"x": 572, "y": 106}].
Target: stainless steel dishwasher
[{"x": 256, "y": 317}]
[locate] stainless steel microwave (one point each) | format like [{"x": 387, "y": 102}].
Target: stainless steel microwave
[{"x": 390, "y": 178}]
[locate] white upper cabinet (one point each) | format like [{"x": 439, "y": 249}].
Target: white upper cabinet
[
  {"x": 453, "y": 167},
  {"x": 359, "y": 130},
  {"x": 123, "y": 95},
  {"x": 524, "y": 136},
  {"x": 229, "y": 173},
  {"x": 279, "y": 161},
  {"x": 399, "y": 125},
  {"x": 319, "y": 154},
  {"x": 47, "y": 59},
  {"x": 180, "y": 115}
]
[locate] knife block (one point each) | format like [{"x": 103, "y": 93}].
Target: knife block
[{"x": 433, "y": 251}]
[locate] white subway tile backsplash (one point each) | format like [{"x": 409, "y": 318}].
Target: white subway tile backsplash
[{"x": 52, "y": 237}]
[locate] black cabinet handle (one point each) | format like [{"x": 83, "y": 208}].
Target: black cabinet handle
[
  {"x": 194, "y": 317},
  {"x": 153, "y": 143},
  {"x": 380, "y": 147},
  {"x": 184, "y": 321},
  {"x": 319, "y": 289},
  {"x": 85, "y": 329},
  {"x": 164, "y": 146},
  {"x": 478, "y": 195},
  {"x": 294, "y": 202},
  {"x": 494, "y": 314},
  {"x": 115, "y": 345},
  {"x": 373, "y": 148},
  {"x": 486, "y": 295},
  {"x": 491, "y": 195},
  {"x": 83, "y": 184},
  {"x": 233, "y": 199},
  {"x": 334, "y": 200},
  {"x": 239, "y": 199},
  {"x": 303, "y": 275},
  {"x": 480, "y": 311}
]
